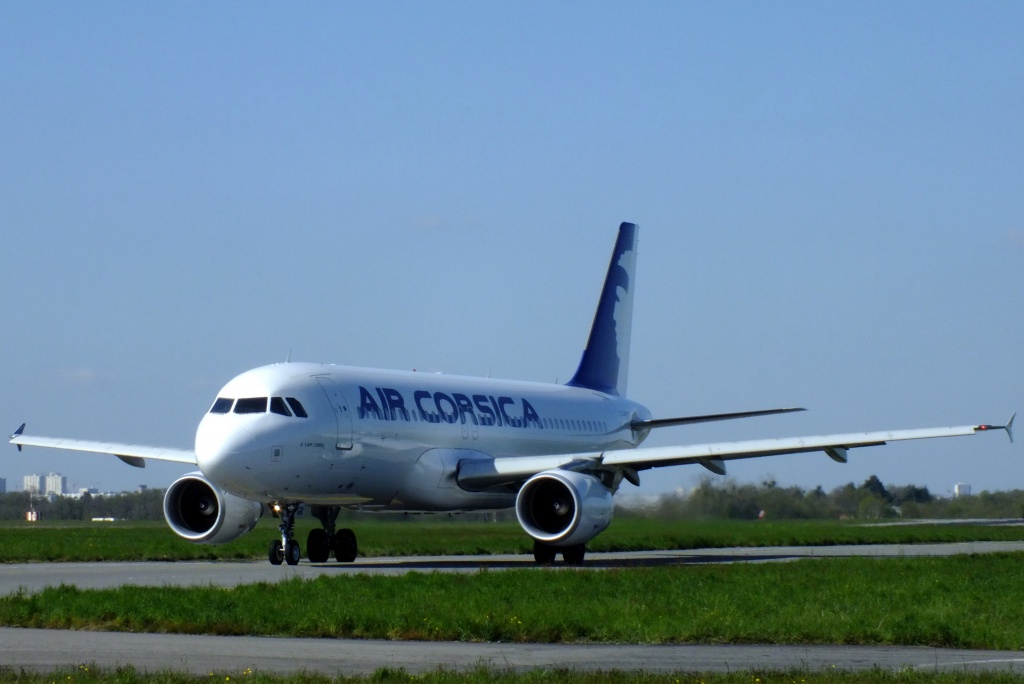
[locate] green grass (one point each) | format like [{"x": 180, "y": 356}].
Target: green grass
[
  {"x": 91, "y": 675},
  {"x": 959, "y": 601},
  {"x": 438, "y": 536}
]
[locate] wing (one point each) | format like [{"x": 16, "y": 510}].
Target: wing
[
  {"x": 132, "y": 454},
  {"x": 689, "y": 420},
  {"x": 478, "y": 475}
]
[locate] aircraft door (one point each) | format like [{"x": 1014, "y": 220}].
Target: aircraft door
[{"x": 342, "y": 415}]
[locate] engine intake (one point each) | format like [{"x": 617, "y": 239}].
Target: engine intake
[
  {"x": 203, "y": 514},
  {"x": 563, "y": 507}
]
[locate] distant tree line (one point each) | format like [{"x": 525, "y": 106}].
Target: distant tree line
[
  {"x": 147, "y": 505},
  {"x": 711, "y": 499},
  {"x": 871, "y": 500}
]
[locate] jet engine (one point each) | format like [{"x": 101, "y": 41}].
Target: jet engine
[
  {"x": 203, "y": 514},
  {"x": 564, "y": 508}
]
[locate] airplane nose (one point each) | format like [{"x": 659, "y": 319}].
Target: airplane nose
[{"x": 219, "y": 442}]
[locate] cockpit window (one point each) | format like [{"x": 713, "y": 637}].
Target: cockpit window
[
  {"x": 297, "y": 407},
  {"x": 278, "y": 406},
  {"x": 251, "y": 405},
  {"x": 222, "y": 405}
]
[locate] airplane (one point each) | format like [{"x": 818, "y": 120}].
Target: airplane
[{"x": 332, "y": 437}]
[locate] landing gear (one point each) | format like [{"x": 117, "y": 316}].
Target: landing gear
[
  {"x": 292, "y": 552},
  {"x": 276, "y": 555},
  {"x": 573, "y": 555},
  {"x": 345, "y": 548},
  {"x": 321, "y": 542},
  {"x": 285, "y": 549},
  {"x": 545, "y": 554},
  {"x": 318, "y": 546}
]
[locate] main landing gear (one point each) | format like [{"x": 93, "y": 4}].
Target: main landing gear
[
  {"x": 545, "y": 554},
  {"x": 320, "y": 542}
]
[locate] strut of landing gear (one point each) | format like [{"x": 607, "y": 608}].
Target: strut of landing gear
[
  {"x": 285, "y": 549},
  {"x": 320, "y": 543}
]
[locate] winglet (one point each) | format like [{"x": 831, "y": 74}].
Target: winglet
[
  {"x": 1008, "y": 427},
  {"x": 17, "y": 433}
]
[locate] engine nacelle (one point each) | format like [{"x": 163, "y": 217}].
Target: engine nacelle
[
  {"x": 563, "y": 507},
  {"x": 203, "y": 514}
]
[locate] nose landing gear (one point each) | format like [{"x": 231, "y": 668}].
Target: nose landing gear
[{"x": 285, "y": 549}]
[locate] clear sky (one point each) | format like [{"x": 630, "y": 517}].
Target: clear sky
[{"x": 829, "y": 198}]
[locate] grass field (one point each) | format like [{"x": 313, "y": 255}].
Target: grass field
[
  {"x": 959, "y": 601},
  {"x": 22, "y": 542},
  {"x": 970, "y": 602}
]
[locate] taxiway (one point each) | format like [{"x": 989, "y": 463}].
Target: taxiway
[{"x": 43, "y": 650}]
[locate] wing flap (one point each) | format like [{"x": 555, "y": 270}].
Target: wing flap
[{"x": 129, "y": 453}]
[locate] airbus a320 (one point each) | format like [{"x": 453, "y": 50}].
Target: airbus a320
[{"x": 330, "y": 437}]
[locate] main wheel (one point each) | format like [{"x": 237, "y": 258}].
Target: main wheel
[
  {"x": 275, "y": 552},
  {"x": 573, "y": 555},
  {"x": 292, "y": 552},
  {"x": 543, "y": 553},
  {"x": 318, "y": 546},
  {"x": 345, "y": 548}
]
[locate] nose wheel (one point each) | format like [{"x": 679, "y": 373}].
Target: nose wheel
[
  {"x": 290, "y": 553},
  {"x": 285, "y": 549}
]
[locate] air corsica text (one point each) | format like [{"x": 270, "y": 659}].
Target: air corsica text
[{"x": 385, "y": 403}]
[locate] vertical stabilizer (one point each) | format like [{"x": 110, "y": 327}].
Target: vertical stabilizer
[{"x": 605, "y": 363}]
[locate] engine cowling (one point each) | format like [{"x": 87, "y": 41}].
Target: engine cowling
[
  {"x": 563, "y": 507},
  {"x": 203, "y": 514}
]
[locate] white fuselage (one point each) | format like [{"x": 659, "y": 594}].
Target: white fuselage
[{"x": 392, "y": 439}]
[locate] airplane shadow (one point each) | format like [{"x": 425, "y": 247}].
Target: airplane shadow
[{"x": 456, "y": 564}]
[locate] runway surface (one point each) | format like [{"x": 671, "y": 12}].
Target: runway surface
[
  {"x": 42, "y": 650},
  {"x": 33, "y": 577}
]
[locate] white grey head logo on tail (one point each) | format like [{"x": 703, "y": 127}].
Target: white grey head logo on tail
[{"x": 605, "y": 363}]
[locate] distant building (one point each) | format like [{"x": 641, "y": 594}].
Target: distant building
[
  {"x": 33, "y": 484},
  {"x": 3, "y": 485},
  {"x": 56, "y": 484},
  {"x": 961, "y": 489}
]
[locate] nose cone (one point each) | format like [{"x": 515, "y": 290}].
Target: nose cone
[{"x": 221, "y": 445}]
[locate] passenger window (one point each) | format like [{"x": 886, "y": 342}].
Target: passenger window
[
  {"x": 278, "y": 406},
  {"x": 297, "y": 407},
  {"x": 222, "y": 405},
  {"x": 251, "y": 405}
]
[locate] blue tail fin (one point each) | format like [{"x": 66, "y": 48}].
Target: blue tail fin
[{"x": 605, "y": 363}]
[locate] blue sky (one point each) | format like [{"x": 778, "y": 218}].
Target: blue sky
[{"x": 829, "y": 197}]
